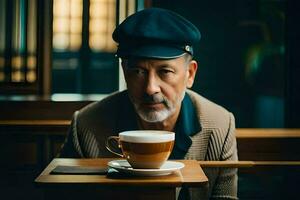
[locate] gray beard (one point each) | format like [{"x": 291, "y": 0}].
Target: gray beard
[{"x": 153, "y": 116}]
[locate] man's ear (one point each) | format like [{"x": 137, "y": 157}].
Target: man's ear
[{"x": 192, "y": 69}]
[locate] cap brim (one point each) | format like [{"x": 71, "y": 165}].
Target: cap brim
[{"x": 151, "y": 51}]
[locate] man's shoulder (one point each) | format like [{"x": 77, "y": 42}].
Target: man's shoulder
[{"x": 209, "y": 113}]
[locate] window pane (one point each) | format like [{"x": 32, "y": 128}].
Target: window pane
[
  {"x": 61, "y": 8},
  {"x": 61, "y": 41},
  {"x": 17, "y": 62},
  {"x": 31, "y": 62},
  {"x": 98, "y": 9},
  {"x": 76, "y": 25},
  {"x": 67, "y": 28},
  {"x": 31, "y": 27},
  {"x": 75, "y": 42},
  {"x": 102, "y": 24},
  {"x": 97, "y": 41},
  {"x": 98, "y": 25},
  {"x": 61, "y": 25},
  {"x": 31, "y": 76},
  {"x": 76, "y": 8},
  {"x": 17, "y": 76}
]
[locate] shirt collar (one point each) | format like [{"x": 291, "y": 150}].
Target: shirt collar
[{"x": 187, "y": 125}]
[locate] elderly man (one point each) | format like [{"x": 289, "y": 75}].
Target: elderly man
[{"x": 156, "y": 48}]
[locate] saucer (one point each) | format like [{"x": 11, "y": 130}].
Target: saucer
[{"x": 167, "y": 168}]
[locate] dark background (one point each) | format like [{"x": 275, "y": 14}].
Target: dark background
[{"x": 234, "y": 30}]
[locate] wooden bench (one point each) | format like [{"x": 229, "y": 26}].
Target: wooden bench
[
  {"x": 268, "y": 144},
  {"x": 47, "y": 136}
]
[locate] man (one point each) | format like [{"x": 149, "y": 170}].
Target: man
[{"x": 156, "y": 48}]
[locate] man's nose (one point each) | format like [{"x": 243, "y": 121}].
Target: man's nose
[{"x": 152, "y": 85}]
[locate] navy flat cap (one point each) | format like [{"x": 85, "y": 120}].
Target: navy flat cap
[{"x": 155, "y": 33}]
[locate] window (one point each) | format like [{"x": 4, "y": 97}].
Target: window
[
  {"x": 18, "y": 46},
  {"x": 101, "y": 25},
  {"x": 83, "y": 50},
  {"x": 67, "y": 25}
]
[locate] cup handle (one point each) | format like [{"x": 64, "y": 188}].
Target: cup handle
[{"x": 108, "y": 146}]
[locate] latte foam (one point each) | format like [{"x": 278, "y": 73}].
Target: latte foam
[{"x": 147, "y": 136}]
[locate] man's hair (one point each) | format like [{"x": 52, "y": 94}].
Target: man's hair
[{"x": 188, "y": 57}]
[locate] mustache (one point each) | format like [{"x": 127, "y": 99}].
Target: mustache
[{"x": 155, "y": 98}]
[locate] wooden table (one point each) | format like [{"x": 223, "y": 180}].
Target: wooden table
[{"x": 103, "y": 187}]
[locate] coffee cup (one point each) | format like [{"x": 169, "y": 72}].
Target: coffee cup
[{"x": 145, "y": 149}]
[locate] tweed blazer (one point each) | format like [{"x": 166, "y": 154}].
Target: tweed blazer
[{"x": 216, "y": 141}]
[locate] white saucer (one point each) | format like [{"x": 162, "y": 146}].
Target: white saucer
[{"x": 167, "y": 168}]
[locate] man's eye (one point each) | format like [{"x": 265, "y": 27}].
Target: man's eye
[
  {"x": 166, "y": 71},
  {"x": 138, "y": 71}
]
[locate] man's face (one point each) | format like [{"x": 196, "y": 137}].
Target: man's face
[{"x": 157, "y": 87}]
